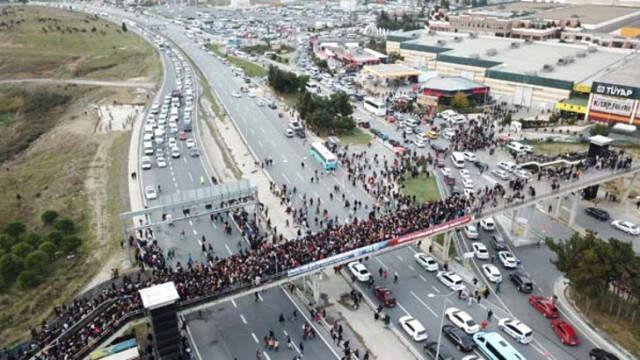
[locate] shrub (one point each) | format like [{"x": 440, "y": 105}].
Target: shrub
[
  {"x": 6, "y": 242},
  {"x": 49, "y": 216},
  {"x": 70, "y": 243},
  {"x": 66, "y": 226},
  {"x": 21, "y": 249},
  {"x": 37, "y": 260},
  {"x": 29, "y": 279},
  {"x": 15, "y": 229},
  {"x": 48, "y": 247},
  {"x": 55, "y": 237},
  {"x": 10, "y": 267}
]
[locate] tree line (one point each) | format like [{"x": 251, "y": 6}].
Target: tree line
[
  {"x": 405, "y": 22},
  {"x": 604, "y": 275},
  {"x": 27, "y": 256}
]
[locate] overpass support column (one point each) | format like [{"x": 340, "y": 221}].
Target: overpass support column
[
  {"x": 315, "y": 287},
  {"x": 446, "y": 246},
  {"x": 574, "y": 210},
  {"x": 558, "y": 207},
  {"x": 527, "y": 230},
  {"x": 627, "y": 190}
]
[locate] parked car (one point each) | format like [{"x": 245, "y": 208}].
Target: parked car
[
  {"x": 442, "y": 351},
  {"x": 451, "y": 280},
  {"x": 360, "y": 271},
  {"x": 385, "y": 295},
  {"x": 150, "y": 193},
  {"x": 507, "y": 260},
  {"x": 194, "y": 152},
  {"x": 501, "y": 174},
  {"x": 161, "y": 162},
  {"x": 469, "y": 156},
  {"x": 565, "y": 332},
  {"x": 471, "y": 232},
  {"x": 544, "y": 306},
  {"x": 487, "y": 224},
  {"x": 498, "y": 243},
  {"x": 492, "y": 273},
  {"x": 626, "y": 226},
  {"x": 462, "y": 319},
  {"x": 522, "y": 282},
  {"x": 599, "y": 214},
  {"x": 516, "y": 329},
  {"x": 413, "y": 328},
  {"x": 459, "y": 338},
  {"x": 600, "y": 354},
  {"x": 426, "y": 262}
]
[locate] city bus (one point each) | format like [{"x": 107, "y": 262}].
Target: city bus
[
  {"x": 375, "y": 106},
  {"x": 324, "y": 156},
  {"x": 495, "y": 347}
]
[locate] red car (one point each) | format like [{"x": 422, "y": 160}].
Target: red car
[
  {"x": 386, "y": 296},
  {"x": 182, "y": 135},
  {"x": 565, "y": 332},
  {"x": 544, "y": 306}
]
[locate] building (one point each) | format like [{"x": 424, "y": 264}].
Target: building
[
  {"x": 523, "y": 72},
  {"x": 445, "y": 88}
]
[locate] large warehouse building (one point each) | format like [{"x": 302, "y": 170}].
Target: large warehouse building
[{"x": 522, "y": 72}]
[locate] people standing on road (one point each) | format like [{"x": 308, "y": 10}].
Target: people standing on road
[
  {"x": 395, "y": 277},
  {"x": 498, "y": 287},
  {"x": 489, "y": 314}
]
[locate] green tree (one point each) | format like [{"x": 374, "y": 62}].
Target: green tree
[
  {"x": 66, "y": 226},
  {"x": 48, "y": 247},
  {"x": 29, "y": 279},
  {"x": 37, "y": 260},
  {"x": 15, "y": 229},
  {"x": 49, "y": 216},
  {"x": 31, "y": 238},
  {"x": 7, "y": 241},
  {"x": 395, "y": 56},
  {"x": 70, "y": 243},
  {"x": 459, "y": 101},
  {"x": 3, "y": 284},
  {"x": 599, "y": 129},
  {"x": 21, "y": 249},
  {"x": 55, "y": 237},
  {"x": 10, "y": 267}
]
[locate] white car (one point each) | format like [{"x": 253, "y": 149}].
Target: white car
[
  {"x": 492, "y": 273},
  {"x": 173, "y": 142},
  {"x": 419, "y": 142},
  {"x": 522, "y": 174},
  {"x": 426, "y": 262},
  {"x": 507, "y": 165},
  {"x": 161, "y": 162},
  {"x": 516, "y": 329},
  {"x": 446, "y": 171},
  {"x": 359, "y": 271},
  {"x": 252, "y": 94},
  {"x": 487, "y": 224},
  {"x": 190, "y": 143},
  {"x": 626, "y": 226},
  {"x": 236, "y": 94},
  {"x": 150, "y": 193},
  {"x": 464, "y": 173},
  {"x": 146, "y": 163},
  {"x": 469, "y": 156},
  {"x": 467, "y": 183},
  {"x": 448, "y": 133},
  {"x": 413, "y": 328},
  {"x": 501, "y": 174},
  {"x": 471, "y": 232},
  {"x": 508, "y": 260},
  {"x": 461, "y": 319},
  {"x": 175, "y": 153},
  {"x": 451, "y": 280},
  {"x": 260, "y": 103},
  {"x": 480, "y": 251}
]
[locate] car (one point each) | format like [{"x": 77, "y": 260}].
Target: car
[
  {"x": 289, "y": 132},
  {"x": 565, "y": 332},
  {"x": 492, "y": 273},
  {"x": 467, "y": 182},
  {"x": 439, "y": 162},
  {"x": 236, "y": 94},
  {"x": 507, "y": 260},
  {"x": 522, "y": 174},
  {"x": 472, "y": 357},
  {"x": 480, "y": 165},
  {"x": 522, "y": 282},
  {"x": 480, "y": 251},
  {"x": 626, "y": 226},
  {"x": 469, "y": 156},
  {"x": 413, "y": 328},
  {"x": 507, "y": 166},
  {"x": 442, "y": 351},
  {"x": 190, "y": 143},
  {"x": 516, "y": 329},
  {"x": 487, "y": 224},
  {"x": 175, "y": 153},
  {"x": 295, "y": 125},
  {"x": 599, "y": 214},
  {"x": 146, "y": 163},
  {"x": 150, "y": 193},
  {"x": 426, "y": 262},
  {"x": 501, "y": 174},
  {"x": 451, "y": 280},
  {"x": 461, "y": 319},
  {"x": 464, "y": 173},
  {"x": 359, "y": 271},
  {"x": 449, "y": 180},
  {"x": 600, "y": 354},
  {"x": 385, "y": 295},
  {"x": 471, "y": 232},
  {"x": 419, "y": 143},
  {"x": 173, "y": 142},
  {"x": 161, "y": 162},
  {"x": 431, "y": 134},
  {"x": 446, "y": 171},
  {"x": 459, "y": 338},
  {"x": 448, "y": 134},
  {"x": 545, "y": 306},
  {"x": 194, "y": 152},
  {"x": 498, "y": 243},
  {"x": 182, "y": 136},
  {"x": 260, "y": 103}
]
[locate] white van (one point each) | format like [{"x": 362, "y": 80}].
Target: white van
[
  {"x": 148, "y": 148},
  {"x": 519, "y": 148},
  {"x": 457, "y": 158}
]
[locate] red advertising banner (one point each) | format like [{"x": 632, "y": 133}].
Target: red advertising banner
[{"x": 430, "y": 231}]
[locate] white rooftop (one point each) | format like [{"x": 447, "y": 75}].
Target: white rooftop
[
  {"x": 159, "y": 295},
  {"x": 600, "y": 140}
]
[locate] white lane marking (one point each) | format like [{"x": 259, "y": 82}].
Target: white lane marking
[
  {"x": 381, "y": 263},
  {"x": 316, "y": 194},
  {"x": 260, "y": 297},
  {"x": 190, "y": 222},
  {"x": 423, "y": 278},
  {"x": 195, "y": 232},
  {"x": 286, "y": 178},
  {"x": 228, "y": 249},
  {"x": 214, "y": 225},
  {"x": 234, "y": 303},
  {"x": 423, "y": 303},
  {"x": 293, "y": 343},
  {"x": 411, "y": 268},
  {"x": 255, "y": 338},
  {"x": 266, "y": 356},
  {"x": 244, "y": 321},
  {"x": 402, "y": 308},
  {"x": 435, "y": 289},
  {"x": 489, "y": 179},
  {"x": 299, "y": 176},
  {"x": 190, "y": 176},
  {"x": 399, "y": 257}
]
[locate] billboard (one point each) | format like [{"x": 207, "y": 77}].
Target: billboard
[
  {"x": 619, "y": 91},
  {"x": 430, "y": 231},
  {"x": 611, "y": 105}
]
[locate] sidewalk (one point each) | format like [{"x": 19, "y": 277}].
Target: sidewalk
[{"x": 568, "y": 309}]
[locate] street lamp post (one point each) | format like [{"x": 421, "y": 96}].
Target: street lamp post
[{"x": 444, "y": 307}]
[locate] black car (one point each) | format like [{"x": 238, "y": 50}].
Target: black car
[
  {"x": 498, "y": 243},
  {"x": 522, "y": 282},
  {"x": 599, "y": 214},
  {"x": 459, "y": 338},
  {"x": 431, "y": 348},
  {"x": 437, "y": 148},
  {"x": 480, "y": 165},
  {"x": 599, "y": 354},
  {"x": 394, "y": 142}
]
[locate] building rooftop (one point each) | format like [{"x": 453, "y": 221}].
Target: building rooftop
[
  {"x": 626, "y": 72},
  {"x": 450, "y": 83},
  {"x": 526, "y": 58},
  {"x": 391, "y": 70}
]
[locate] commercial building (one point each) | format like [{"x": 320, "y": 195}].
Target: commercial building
[
  {"x": 445, "y": 88},
  {"x": 522, "y": 72}
]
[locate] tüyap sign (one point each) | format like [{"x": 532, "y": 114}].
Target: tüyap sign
[{"x": 628, "y": 92}]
